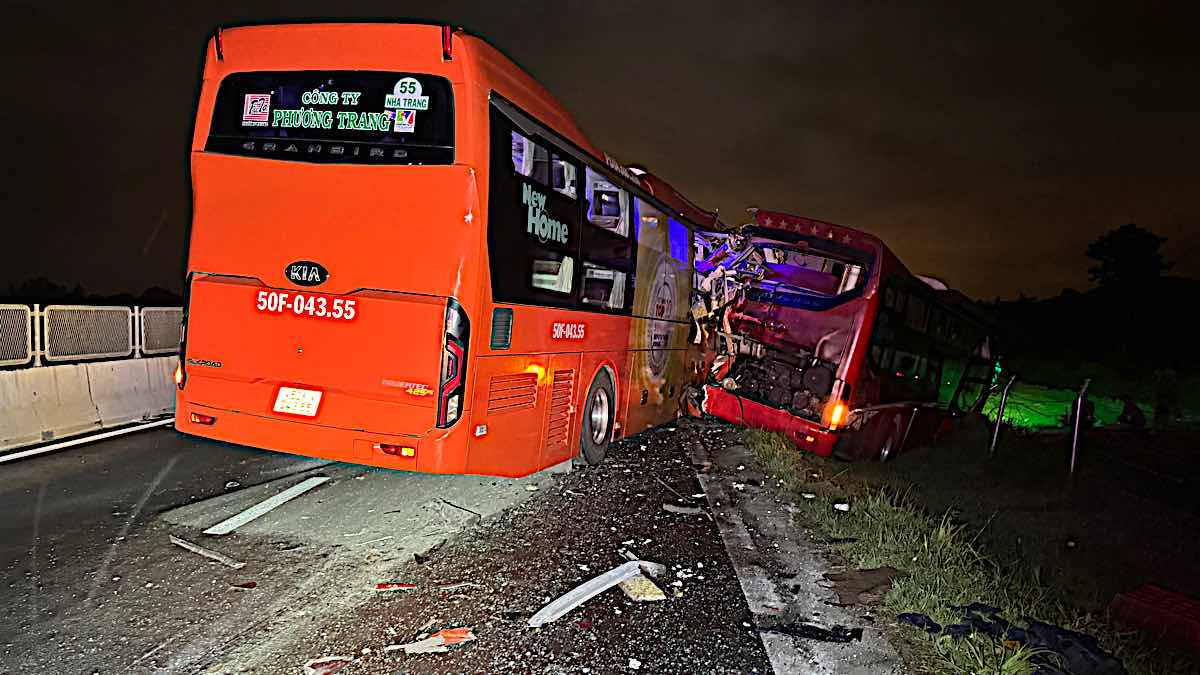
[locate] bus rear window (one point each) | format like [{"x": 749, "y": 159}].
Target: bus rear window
[{"x": 352, "y": 116}]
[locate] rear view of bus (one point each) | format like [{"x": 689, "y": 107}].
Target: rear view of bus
[{"x": 332, "y": 244}]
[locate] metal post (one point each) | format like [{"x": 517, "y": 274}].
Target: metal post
[
  {"x": 1000, "y": 413},
  {"x": 1078, "y": 415},
  {"x": 37, "y": 335},
  {"x": 136, "y": 325}
]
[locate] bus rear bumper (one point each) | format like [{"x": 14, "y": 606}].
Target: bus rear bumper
[
  {"x": 435, "y": 452},
  {"x": 809, "y": 436}
]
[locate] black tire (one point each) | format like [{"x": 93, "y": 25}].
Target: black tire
[
  {"x": 889, "y": 439},
  {"x": 599, "y": 414}
]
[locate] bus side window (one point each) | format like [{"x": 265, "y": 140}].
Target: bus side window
[
  {"x": 553, "y": 274},
  {"x": 530, "y": 159},
  {"x": 603, "y": 287},
  {"x": 562, "y": 176},
  {"x": 607, "y": 204}
]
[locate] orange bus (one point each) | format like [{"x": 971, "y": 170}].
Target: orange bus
[{"x": 405, "y": 253}]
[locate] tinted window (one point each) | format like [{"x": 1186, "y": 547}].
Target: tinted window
[{"x": 335, "y": 116}]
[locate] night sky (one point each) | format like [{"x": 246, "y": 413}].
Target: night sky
[{"x": 986, "y": 143}]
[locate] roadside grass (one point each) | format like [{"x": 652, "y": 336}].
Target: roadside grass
[{"x": 946, "y": 564}]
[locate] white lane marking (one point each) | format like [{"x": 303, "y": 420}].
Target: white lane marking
[
  {"x": 102, "y": 572},
  {"x": 84, "y": 439},
  {"x": 756, "y": 586},
  {"x": 265, "y": 506}
]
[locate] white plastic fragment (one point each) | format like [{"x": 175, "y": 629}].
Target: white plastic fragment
[
  {"x": 808, "y": 495},
  {"x": 590, "y": 589},
  {"x": 207, "y": 553},
  {"x": 642, "y": 589},
  {"x": 689, "y": 510},
  {"x": 842, "y": 506},
  {"x": 634, "y": 664}
]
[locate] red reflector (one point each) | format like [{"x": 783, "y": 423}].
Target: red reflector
[
  {"x": 197, "y": 418},
  {"x": 401, "y": 450},
  {"x": 447, "y": 37}
]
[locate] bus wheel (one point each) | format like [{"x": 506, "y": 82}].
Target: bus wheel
[
  {"x": 599, "y": 413},
  {"x": 891, "y": 439}
]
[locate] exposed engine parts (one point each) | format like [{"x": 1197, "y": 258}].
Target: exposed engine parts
[{"x": 795, "y": 382}]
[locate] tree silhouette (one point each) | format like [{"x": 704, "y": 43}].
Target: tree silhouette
[{"x": 1127, "y": 255}]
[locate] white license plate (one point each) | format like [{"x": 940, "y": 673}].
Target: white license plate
[{"x": 297, "y": 401}]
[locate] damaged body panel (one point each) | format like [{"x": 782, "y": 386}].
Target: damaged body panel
[{"x": 810, "y": 340}]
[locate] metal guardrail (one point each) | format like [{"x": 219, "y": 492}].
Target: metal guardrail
[
  {"x": 73, "y": 333},
  {"x": 81, "y": 332},
  {"x": 160, "y": 329}
]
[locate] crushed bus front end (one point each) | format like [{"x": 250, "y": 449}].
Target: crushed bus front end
[{"x": 784, "y": 300}]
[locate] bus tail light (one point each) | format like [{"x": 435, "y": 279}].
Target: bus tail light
[
  {"x": 452, "y": 384},
  {"x": 179, "y": 375},
  {"x": 837, "y": 415},
  {"x": 400, "y": 450},
  {"x": 200, "y": 418}
]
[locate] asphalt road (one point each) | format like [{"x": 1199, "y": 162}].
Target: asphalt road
[{"x": 92, "y": 583}]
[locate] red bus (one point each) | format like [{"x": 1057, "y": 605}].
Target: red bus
[
  {"x": 823, "y": 334},
  {"x": 404, "y": 253}
]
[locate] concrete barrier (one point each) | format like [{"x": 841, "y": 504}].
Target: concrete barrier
[
  {"x": 120, "y": 390},
  {"x": 43, "y": 404}
]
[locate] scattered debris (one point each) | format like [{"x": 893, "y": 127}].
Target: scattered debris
[
  {"x": 844, "y": 507},
  {"x": 531, "y": 488},
  {"x": 461, "y": 584},
  {"x": 642, "y": 589},
  {"x": 477, "y": 514},
  {"x": 591, "y": 588},
  {"x": 1056, "y": 649},
  {"x": 326, "y": 665},
  {"x": 673, "y": 490},
  {"x": 689, "y": 510},
  {"x": 389, "y": 586},
  {"x": 232, "y": 484},
  {"x": 244, "y": 586},
  {"x": 437, "y": 643},
  {"x": 372, "y": 541},
  {"x": 921, "y": 621},
  {"x": 863, "y": 587},
  {"x": 808, "y": 495},
  {"x": 815, "y": 631},
  {"x": 634, "y": 664},
  {"x": 208, "y": 553},
  {"x": 262, "y": 508}
]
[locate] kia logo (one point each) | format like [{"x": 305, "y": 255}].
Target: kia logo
[{"x": 306, "y": 273}]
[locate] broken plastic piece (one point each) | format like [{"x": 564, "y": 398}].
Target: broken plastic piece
[
  {"x": 208, "y": 553},
  {"x": 326, "y": 665},
  {"x": 245, "y": 585},
  {"x": 385, "y": 586},
  {"x": 591, "y": 588},
  {"x": 437, "y": 643},
  {"x": 642, "y": 589},
  {"x": 813, "y": 631},
  {"x": 634, "y": 664},
  {"x": 842, "y": 506},
  {"x": 690, "y": 510}
]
